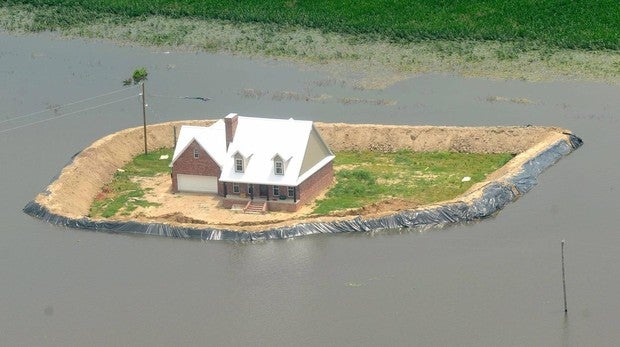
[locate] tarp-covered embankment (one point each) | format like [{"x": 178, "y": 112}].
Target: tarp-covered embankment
[{"x": 67, "y": 200}]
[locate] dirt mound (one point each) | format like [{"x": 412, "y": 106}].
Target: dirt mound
[
  {"x": 390, "y": 138},
  {"x": 179, "y": 218}
]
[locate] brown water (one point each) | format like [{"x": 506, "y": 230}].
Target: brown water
[{"x": 497, "y": 282}]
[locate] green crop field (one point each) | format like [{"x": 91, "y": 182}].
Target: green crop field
[{"x": 577, "y": 24}]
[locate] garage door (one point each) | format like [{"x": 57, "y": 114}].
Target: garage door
[{"x": 194, "y": 183}]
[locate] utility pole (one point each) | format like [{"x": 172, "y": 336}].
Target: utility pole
[{"x": 144, "y": 117}]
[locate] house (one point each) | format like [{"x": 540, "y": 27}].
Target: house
[{"x": 281, "y": 163}]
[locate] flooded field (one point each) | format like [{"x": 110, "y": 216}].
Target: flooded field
[{"x": 497, "y": 282}]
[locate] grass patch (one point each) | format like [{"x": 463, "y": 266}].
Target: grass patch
[
  {"x": 122, "y": 194},
  {"x": 367, "y": 177}
]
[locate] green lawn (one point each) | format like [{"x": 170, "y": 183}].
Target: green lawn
[
  {"x": 582, "y": 24},
  {"x": 366, "y": 177},
  {"x": 122, "y": 195}
]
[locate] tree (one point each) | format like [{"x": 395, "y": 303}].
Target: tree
[{"x": 138, "y": 76}]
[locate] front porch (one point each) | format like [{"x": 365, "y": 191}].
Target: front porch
[
  {"x": 273, "y": 198},
  {"x": 245, "y": 202}
]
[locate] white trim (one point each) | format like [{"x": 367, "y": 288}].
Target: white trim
[
  {"x": 273, "y": 191},
  {"x": 237, "y": 162},
  {"x": 215, "y": 148},
  {"x": 275, "y": 167},
  {"x": 314, "y": 169}
]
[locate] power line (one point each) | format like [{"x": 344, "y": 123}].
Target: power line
[
  {"x": 201, "y": 98},
  {"x": 66, "y": 114},
  {"x": 65, "y": 105}
]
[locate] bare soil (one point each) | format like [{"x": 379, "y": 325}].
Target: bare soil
[{"x": 79, "y": 183}]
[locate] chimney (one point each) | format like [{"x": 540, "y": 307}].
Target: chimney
[{"x": 230, "y": 123}]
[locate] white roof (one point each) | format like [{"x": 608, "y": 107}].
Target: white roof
[
  {"x": 212, "y": 139},
  {"x": 258, "y": 141}
]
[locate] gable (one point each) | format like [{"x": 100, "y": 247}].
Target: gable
[
  {"x": 211, "y": 139},
  {"x": 195, "y": 160},
  {"x": 316, "y": 150}
]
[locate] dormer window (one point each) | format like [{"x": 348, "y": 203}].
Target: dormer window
[
  {"x": 278, "y": 165},
  {"x": 196, "y": 153},
  {"x": 238, "y": 164}
]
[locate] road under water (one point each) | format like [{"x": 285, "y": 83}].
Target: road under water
[{"x": 496, "y": 282}]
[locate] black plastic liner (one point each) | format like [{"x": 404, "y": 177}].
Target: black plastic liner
[{"x": 495, "y": 196}]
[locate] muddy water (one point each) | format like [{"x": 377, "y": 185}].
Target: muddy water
[{"x": 497, "y": 282}]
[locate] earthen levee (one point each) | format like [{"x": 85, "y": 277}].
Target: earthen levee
[{"x": 71, "y": 195}]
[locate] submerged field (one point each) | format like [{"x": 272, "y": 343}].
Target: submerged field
[
  {"x": 387, "y": 40},
  {"x": 362, "y": 178}
]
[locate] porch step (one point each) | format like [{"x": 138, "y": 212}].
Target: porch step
[{"x": 255, "y": 207}]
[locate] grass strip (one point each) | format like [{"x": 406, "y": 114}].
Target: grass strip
[{"x": 123, "y": 194}]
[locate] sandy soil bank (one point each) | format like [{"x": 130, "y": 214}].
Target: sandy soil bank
[{"x": 73, "y": 192}]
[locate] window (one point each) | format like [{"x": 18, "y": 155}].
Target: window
[
  {"x": 291, "y": 191},
  {"x": 238, "y": 164},
  {"x": 196, "y": 153},
  {"x": 278, "y": 167},
  {"x": 236, "y": 188},
  {"x": 276, "y": 191}
]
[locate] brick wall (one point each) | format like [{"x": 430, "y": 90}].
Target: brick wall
[
  {"x": 228, "y": 203},
  {"x": 203, "y": 165},
  {"x": 315, "y": 184},
  {"x": 230, "y": 126},
  {"x": 243, "y": 189},
  {"x": 282, "y": 206}
]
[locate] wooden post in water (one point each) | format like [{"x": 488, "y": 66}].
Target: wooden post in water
[
  {"x": 144, "y": 117},
  {"x": 564, "y": 279}
]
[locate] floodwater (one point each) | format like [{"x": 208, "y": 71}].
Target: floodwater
[{"x": 496, "y": 282}]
